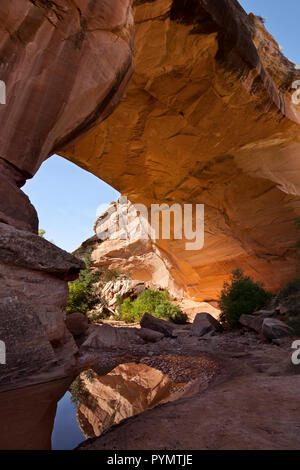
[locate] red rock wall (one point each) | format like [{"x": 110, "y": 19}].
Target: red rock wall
[{"x": 208, "y": 118}]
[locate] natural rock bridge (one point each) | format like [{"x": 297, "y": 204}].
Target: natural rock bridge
[{"x": 208, "y": 117}]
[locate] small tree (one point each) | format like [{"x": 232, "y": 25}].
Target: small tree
[
  {"x": 241, "y": 296},
  {"x": 157, "y": 303},
  {"x": 81, "y": 290}
]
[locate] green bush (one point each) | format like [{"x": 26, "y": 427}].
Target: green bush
[
  {"x": 76, "y": 390},
  {"x": 81, "y": 291},
  {"x": 157, "y": 303},
  {"x": 241, "y": 296},
  {"x": 111, "y": 275}
]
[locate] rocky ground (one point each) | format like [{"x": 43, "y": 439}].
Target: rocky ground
[{"x": 238, "y": 389}]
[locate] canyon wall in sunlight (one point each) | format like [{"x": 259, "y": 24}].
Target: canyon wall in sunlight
[{"x": 208, "y": 118}]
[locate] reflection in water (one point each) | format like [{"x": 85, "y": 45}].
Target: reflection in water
[
  {"x": 66, "y": 433},
  {"x": 127, "y": 390},
  {"x": 97, "y": 402}
]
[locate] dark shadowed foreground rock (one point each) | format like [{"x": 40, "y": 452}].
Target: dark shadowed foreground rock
[
  {"x": 205, "y": 323},
  {"x": 106, "y": 336},
  {"x": 28, "y": 250},
  {"x": 33, "y": 297},
  {"x": 27, "y": 415},
  {"x": 156, "y": 324},
  {"x": 39, "y": 347},
  {"x": 66, "y": 66},
  {"x": 17, "y": 210},
  {"x": 273, "y": 329},
  {"x": 77, "y": 323}
]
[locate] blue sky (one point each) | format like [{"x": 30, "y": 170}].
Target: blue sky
[{"x": 67, "y": 197}]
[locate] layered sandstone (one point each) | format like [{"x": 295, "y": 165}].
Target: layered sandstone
[
  {"x": 66, "y": 66},
  {"x": 208, "y": 118}
]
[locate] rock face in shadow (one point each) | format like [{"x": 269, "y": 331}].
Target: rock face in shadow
[
  {"x": 54, "y": 44},
  {"x": 206, "y": 422},
  {"x": 27, "y": 415},
  {"x": 65, "y": 66},
  {"x": 208, "y": 118},
  {"x": 40, "y": 351},
  {"x": 33, "y": 296}
]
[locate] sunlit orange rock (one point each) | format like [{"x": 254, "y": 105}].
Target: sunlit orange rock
[{"x": 208, "y": 118}]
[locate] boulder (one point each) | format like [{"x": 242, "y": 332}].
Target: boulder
[
  {"x": 156, "y": 324},
  {"x": 274, "y": 329},
  {"x": 254, "y": 322},
  {"x": 106, "y": 336},
  {"x": 28, "y": 250},
  {"x": 180, "y": 332},
  {"x": 205, "y": 323},
  {"x": 150, "y": 336},
  {"x": 77, "y": 323}
]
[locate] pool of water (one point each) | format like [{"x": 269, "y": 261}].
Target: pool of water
[{"x": 66, "y": 434}]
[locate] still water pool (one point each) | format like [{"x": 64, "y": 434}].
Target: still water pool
[{"x": 66, "y": 433}]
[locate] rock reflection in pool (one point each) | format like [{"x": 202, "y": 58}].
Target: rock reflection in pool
[
  {"x": 66, "y": 433},
  {"x": 127, "y": 390}
]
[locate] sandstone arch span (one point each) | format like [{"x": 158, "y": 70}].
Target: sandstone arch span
[{"x": 208, "y": 117}]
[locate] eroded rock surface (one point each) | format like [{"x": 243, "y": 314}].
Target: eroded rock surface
[
  {"x": 208, "y": 118},
  {"x": 34, "y": 292},
  {"x": 66, "y": 65}
]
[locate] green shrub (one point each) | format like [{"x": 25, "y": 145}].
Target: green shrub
[
  {"x": 81, "y": 291},
  {"x": 79, "y": 392},
  {"x": 157, "y": 303},
  {"x": 76, "y": 390},
  {"x": 241, "y": 296},
  {"x": 111, "y": 275},
  {"x": 294, "y": 322}
]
